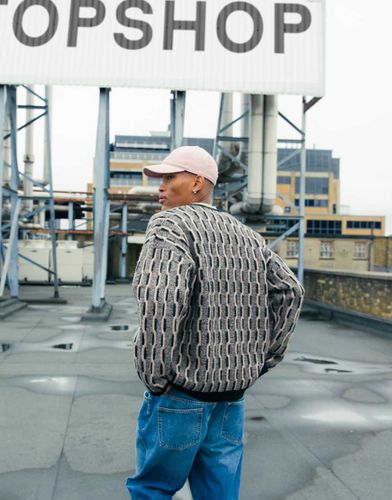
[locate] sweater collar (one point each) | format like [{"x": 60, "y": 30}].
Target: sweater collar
[{"x": 205, "y": 204}]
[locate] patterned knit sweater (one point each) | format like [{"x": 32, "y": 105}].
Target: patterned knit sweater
[{"x": 216, "y": 306}]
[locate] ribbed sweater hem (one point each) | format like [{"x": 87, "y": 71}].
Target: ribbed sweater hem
[{"x": 213, "y": 397}]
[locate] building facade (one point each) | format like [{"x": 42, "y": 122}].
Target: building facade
[{"x": 322, "y": 181}]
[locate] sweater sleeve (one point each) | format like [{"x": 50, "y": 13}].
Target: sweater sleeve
[
  {"x": 162, "y": 284},
  {"x": 285, "y": 299}
]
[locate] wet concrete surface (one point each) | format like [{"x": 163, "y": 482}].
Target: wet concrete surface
[{"x": 318, "y": 426}]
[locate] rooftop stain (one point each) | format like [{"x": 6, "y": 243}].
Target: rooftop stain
[
  {"x": 257, "y": 418},
  {"x": 119, "y": 328},
  {"x": 58, "y": 385},
  {"x": 315, "y": 364},
  {"x": 65, "y": 343}
]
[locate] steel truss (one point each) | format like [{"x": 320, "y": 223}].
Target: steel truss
[
  {"x": 100, "y": 309},
  {"x": 9, "y": 253},
  {"x": 241, "y": 183}
]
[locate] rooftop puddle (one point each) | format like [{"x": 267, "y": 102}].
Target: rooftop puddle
[
  {"x": 315, "y": 364},
  {"x": 80, "y": 385},
  {"x": 66, "y": 344}
]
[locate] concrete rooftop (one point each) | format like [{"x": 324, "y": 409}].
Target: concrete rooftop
[{"x": 318, "y": 426}]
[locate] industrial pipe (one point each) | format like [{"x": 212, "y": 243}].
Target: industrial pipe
[
  {"x": 270, "y": 153},
  {"x": 28, "y": 158},
  {"x": 253, "y": 197},
  {"x": 226, "y": 166}
]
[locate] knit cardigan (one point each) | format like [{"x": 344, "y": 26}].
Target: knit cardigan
[{"x": 216, "y": 306}]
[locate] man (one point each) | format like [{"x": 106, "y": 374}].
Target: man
[{"x": 217, "y": 309}]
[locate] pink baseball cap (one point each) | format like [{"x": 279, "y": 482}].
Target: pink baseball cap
[{"x": 191, "y": 159}]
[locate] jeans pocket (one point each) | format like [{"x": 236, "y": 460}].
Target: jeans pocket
[
  {"x": 233, "y": 422},
  {"x": 179, "y": 429}
]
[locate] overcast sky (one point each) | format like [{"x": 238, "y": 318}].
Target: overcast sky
[{"x": 354, "y": 119}]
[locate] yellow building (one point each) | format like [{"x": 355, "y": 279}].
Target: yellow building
[
  {"x": 322, "y": 181},
  {"x": 346, "y": 241},
  {"x": 343, "y": 253}
]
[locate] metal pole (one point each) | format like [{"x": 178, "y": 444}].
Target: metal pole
[
  {"x": 52, "y": 220},
  {"x": 227, "y": 114},
  {"x": 9, "y": 257},
  {"x": 245, "y": 108},
  {"x": 7, "y": 154},
  {"x": 14, "y": 184},
  {"x": 29, "y": 153},
  {"x": 270, "y": 152},
  {"x": 124, "y": 241},
  {"x": 71, "y": 220},
  {"x": 177, "y": 116},
  {"x": 371, "y": 247},
  {"x": 105, "y": 249},
  {"x": 2, "y": 122},
  {"x": 255, "y": 152},
  {"x": 219, "y": 126},
  {"x": 47, "y": 160},
  {"x": 101, "y": 212},
  {"x": 302, "y": 185}
]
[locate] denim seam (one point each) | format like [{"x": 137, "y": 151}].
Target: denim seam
[
  {"x": 181, "y": 410},
  {"x": 188, "y": 401},
  {"x": 225, "y": 435},
  {"x": 148, "y": 414}
]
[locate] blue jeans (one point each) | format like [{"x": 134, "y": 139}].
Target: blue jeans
[{"x": 180, "y": 438}]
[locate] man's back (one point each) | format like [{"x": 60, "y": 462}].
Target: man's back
[
  {"x": 224, "y": 305},
  {"x": 216, "y": 310}
]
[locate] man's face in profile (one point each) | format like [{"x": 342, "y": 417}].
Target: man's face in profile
[{"x": 176, "y": 190}]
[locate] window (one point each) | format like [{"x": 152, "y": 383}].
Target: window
[
  {"x": 281, "y": 225},
  {"x": 313, "y": 203},
  {"x": 284, "y": 179},
  {"x": 314, "y": 185},
  {"x": 326, "y": 250},
  {"x": 125, "y": 179},
  {"x": 292, "y": 249},
  {"x": 319, "y": 226},
  {"x": 360, "y": 250},
  {"x": 363, "y": 224}
]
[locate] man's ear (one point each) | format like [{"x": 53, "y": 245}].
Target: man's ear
[{"x": 198, "y": 181}]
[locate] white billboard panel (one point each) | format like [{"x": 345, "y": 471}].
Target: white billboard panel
[{"x": 257, "y": 46}]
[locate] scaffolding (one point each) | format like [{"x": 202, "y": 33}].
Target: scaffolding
[
  {"x": 104, "y": 204},
  {"x": 12, "y": 200}
]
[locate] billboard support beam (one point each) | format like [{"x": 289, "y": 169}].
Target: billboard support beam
[
  {"x": 12, "y": 271},
  {"x": 52, "y": 215},
  {"x": 2, "y": 122},
  {"x": 100, "y": 310}
]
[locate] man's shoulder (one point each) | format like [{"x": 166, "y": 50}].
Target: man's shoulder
[
  {"x": 164, "y": 228},
  {"x": 179, "y": 217},
  {"x": 165, "y": 218}
]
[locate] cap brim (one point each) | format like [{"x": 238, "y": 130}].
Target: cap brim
[{"x": 160, "y": 170}]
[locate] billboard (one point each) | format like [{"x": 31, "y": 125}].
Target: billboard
[{"x": 255, "y": 46}]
